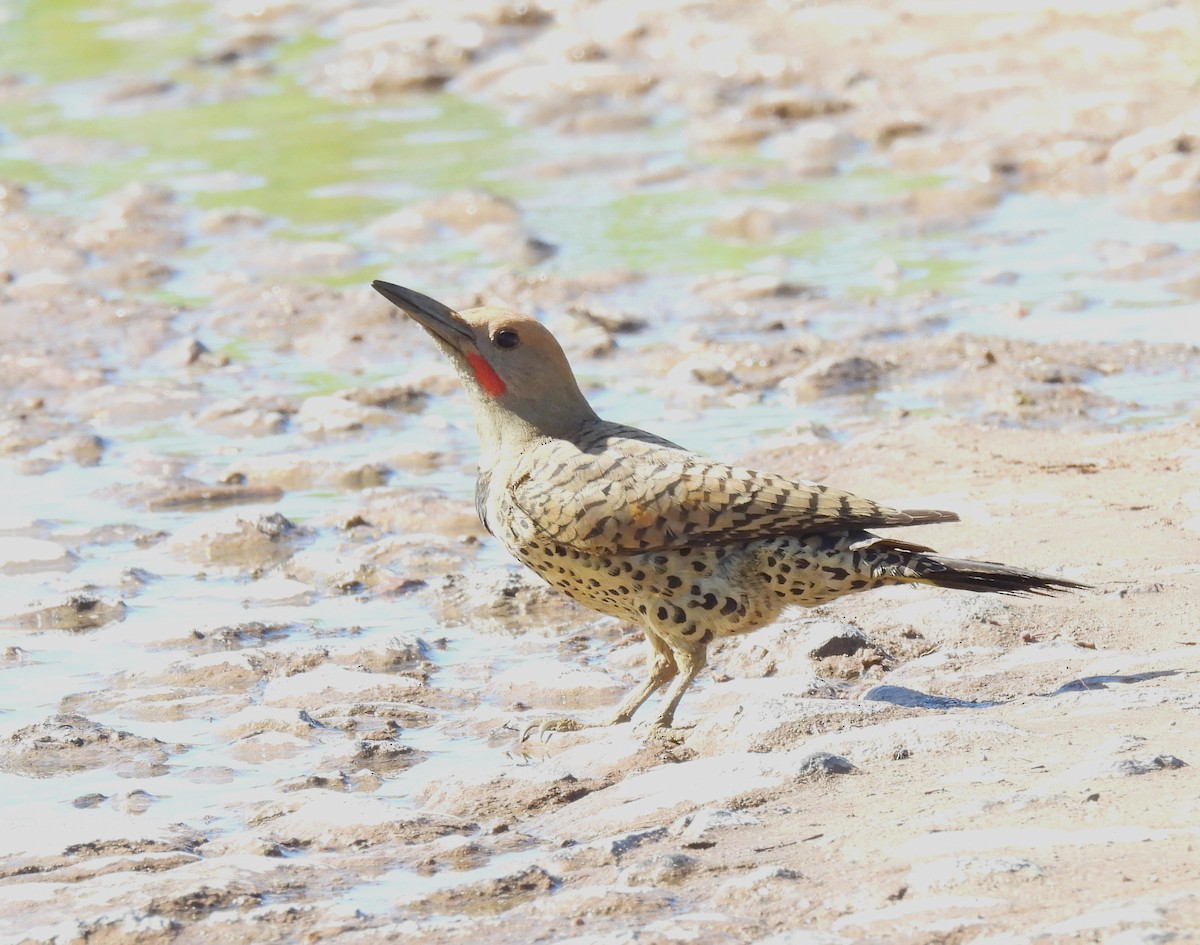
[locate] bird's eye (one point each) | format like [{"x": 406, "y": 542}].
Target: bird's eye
[{"x": 506, "y": 338}]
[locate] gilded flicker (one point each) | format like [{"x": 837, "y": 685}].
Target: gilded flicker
[{"x": 633, "y": 525}]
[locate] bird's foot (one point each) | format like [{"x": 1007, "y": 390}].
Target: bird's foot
[{"x": 543, "y": 727}]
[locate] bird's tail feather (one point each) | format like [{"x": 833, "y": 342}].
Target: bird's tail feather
[{"x": 981, "y": 576}]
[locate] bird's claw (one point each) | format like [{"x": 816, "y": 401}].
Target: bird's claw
[{"x": 543, "y": 728}]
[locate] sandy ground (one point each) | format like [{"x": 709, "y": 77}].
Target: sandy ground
[
  {"x": 1019, "y": 768},
  {"x": 954, "y": 769}
]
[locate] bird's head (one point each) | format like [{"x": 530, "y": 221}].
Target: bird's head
[{"x": 518, "y": 378}]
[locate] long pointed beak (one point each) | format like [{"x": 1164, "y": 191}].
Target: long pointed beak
[{"x": 436, "y": 318}]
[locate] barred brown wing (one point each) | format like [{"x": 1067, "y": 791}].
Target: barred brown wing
[{"x": 617, "y": 490}]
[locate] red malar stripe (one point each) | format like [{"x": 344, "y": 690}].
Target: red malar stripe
[{"x": 488, "y": 379}]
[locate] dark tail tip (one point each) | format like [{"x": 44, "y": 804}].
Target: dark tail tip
[{"x": 989, "y": 577}]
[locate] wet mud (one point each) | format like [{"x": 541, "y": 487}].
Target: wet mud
[{"x": 263, "y": 669}]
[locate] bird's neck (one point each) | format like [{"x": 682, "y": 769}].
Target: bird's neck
[
  {"x": 501, "y": 437},
  {"x": 505, "y": 434}
]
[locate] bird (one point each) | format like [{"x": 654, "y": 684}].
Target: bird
[{"x": 632, "y": 525}]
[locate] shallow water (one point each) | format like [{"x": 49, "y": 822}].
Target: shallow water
[{"x": 322, "y": 170}]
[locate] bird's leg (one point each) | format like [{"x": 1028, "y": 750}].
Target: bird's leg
[
  {"x": 660, "y": 669},
  {"x": 690, "y": 661}
]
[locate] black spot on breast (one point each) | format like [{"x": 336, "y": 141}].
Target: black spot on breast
[
  {"x": 674, "y": 582},
  {"x": 662, "y": 613},
  {"x": 698, "y": 566},
  {"x": 729, "y": 606}
]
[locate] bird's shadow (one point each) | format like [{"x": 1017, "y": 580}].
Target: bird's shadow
[
  {"x": 1088, "y": 683},
  {"x": 914, "y": 699}
]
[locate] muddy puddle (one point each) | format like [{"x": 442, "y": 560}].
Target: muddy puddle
[{"x": 261, "y": 668}]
